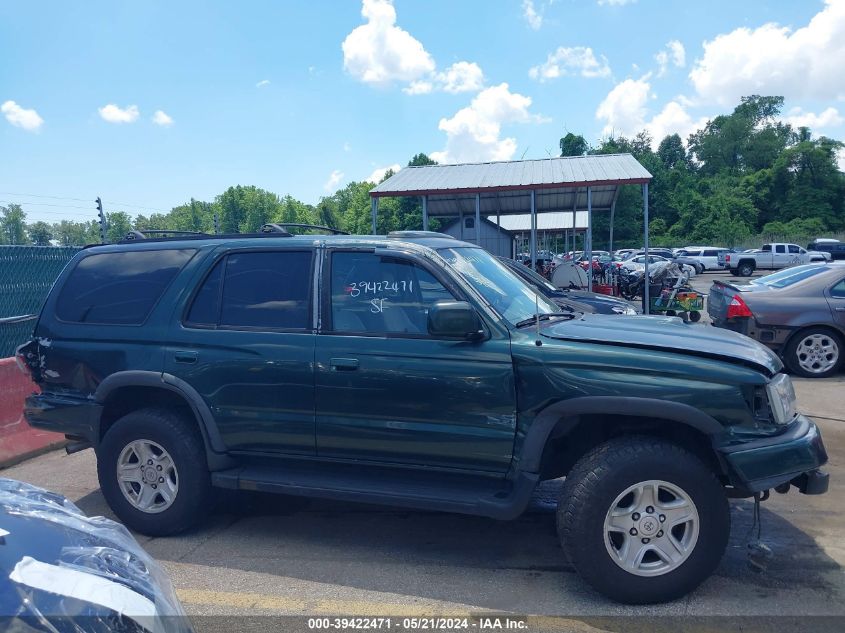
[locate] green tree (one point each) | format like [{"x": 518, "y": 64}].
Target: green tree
[
  {"x": 40, "y": 233},
  {"x": 118, "y": 224},
  {"x": 573, "y": 145},
  {"x": 70, "y": 233},
  {"x": 13, "y": 225}
]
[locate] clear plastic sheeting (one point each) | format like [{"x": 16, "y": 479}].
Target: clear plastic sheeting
[{"x": 63, "y": 572}]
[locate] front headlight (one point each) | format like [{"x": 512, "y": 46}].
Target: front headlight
[{"x": 781, "y": 398}]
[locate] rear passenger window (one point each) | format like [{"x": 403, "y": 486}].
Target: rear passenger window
[
  {"x": 838, "y": 290},
  {"x": 711, "y": 253},
  {"x": 780, "y": 248},
  {"x": 265, "y": 290},
  {"x": 118, "y": 288}
]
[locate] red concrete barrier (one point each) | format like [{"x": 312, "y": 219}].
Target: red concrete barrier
[{"x": 17, "y": 440}]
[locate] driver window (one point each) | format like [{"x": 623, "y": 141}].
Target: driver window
[
  {"x": 381, "y": 294},
  {"x": 794, "y": 249}
]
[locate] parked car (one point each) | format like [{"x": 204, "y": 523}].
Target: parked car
[
  {"x": 64, "y": 571},
  {"x": 707, "y": 256},
  {"x": 769, "y": 257},
  {"x": 834, "y": 248},
  {"x": 578, "y": 300},
  {"x": 414, "y": 370},
  {"x": 798, "y": 312},
  {"x": 638, "y": 263}
]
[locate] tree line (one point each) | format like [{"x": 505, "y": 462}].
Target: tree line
[{"x": 743, "y": 174}]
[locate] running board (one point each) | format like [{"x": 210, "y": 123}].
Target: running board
[{"x": 424, "y": 490}]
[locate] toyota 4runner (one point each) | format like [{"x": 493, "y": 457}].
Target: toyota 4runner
[{"x": 414, "y": 370}]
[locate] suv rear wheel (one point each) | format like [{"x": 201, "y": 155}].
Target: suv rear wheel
[
  {"x": 643, "y": 520},
  {"x": 153, "y": 473}
]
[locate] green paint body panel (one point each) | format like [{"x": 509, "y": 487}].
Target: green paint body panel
[{"x": 474, "y": 407}]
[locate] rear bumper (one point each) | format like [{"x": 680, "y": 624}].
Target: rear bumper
[
  {"x": 772, "y": 337},
  {"x": 78, "y": 418},
  {"x": 794, "y": 456}
]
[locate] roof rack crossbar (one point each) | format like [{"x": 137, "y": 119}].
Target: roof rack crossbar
[
  {"x": 283, "y": 226},
  {"x": 141, "y": 234}
]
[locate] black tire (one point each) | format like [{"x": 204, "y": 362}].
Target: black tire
[
  {"x": 590, "y": 490},
  {"x": 699, "y": 268},
  {"x": 695, "y": 316},
  {"x": 793, "y": 362},
  {"x": 746, "y": 269},
  {"x": 182, "y": 441}
]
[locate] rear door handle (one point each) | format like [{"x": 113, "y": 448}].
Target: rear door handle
[
  {"x": 185, "y": 357},
  {"x": 344, "y": 364}
]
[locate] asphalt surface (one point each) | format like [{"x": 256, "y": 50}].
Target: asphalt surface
[{"x": 269, "y": 555}]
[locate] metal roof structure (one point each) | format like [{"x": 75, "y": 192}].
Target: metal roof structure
[
  {"x": 505, "y": 187},
  {"x": 552, "y": 221}
]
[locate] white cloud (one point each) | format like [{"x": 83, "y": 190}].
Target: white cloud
[
  {"x": 262, "y": 83},
  {"x": 673, "y": 119},
  {"x": 577, "y": 60},
  {"x": 775, "y": 60},
  {"x": 461, "y": 77},
  {"x": 674, "y": 53},
  {"x": 624, "y": 107},
  {"x": 379, "y": 52},
  {"x": 615, "y": 3},
  {"x": 626, "y": 113},
  {"x": 334, "y": 180},
  {"x": 830, "y": 117},
  {"x": 114, "y": 114},
  {"x": 841, "y": 160},
  {"x": 473, "y": 133},
  {"x": 21, "y": 117},
  {"x": 529, "y": 12},
  {"x": 160, "y": 117},
  {"x": 379, "y": 172},
  {"x": 420, "y": 87},
  {"x": 347, "y": 147}
]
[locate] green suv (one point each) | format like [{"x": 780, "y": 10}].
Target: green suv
[{"x": 413, "y": 370}]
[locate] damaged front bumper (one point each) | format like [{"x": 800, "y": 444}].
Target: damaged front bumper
[{"x": 794, "y": 457}]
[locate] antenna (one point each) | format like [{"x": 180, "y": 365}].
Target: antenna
[{"x": 538, "y": 342}]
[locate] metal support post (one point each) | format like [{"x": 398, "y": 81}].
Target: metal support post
[{"x": 646, "y": 284}]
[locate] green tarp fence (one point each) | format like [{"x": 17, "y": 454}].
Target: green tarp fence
[{"x": 26, "y": 275}]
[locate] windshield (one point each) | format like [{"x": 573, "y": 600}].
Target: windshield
[
  {"x": 784, "y": 278},
  {"x": 533, "y": 277},
  {"x": 501, "y": 288}
]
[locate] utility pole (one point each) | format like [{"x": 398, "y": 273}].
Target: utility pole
[{"x": 102, "y": 220}]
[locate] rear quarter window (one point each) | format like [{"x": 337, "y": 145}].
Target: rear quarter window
[{"x": 118, "y": 288}]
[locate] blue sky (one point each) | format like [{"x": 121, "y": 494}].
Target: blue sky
[{"x": 302, "y": 97}]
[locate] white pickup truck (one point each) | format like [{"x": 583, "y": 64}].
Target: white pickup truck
[{"x": 770, "y": 257}]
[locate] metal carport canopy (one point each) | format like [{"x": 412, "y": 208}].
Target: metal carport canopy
[{"x": 522, "y": 186}]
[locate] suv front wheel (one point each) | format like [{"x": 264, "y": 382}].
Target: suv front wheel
[
  {"x": 643, "y": 520},
  {"x": 153, "y": 473}
]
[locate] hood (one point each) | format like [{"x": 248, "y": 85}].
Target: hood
[{"x": 669, "y": 334}]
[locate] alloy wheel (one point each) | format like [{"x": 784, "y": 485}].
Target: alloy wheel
[
  {"x": 147, "y": 476},
  {"x": 651, "y": 528},
  {"x": 817, "y": 353}
]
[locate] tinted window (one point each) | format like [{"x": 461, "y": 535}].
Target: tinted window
[
  {"x": 793, "y": 249},
  {"x": 379, "y": 294},
  {"x": 118, "y": 288},
  {"x": 711, "y": 253},
  {"x": 266, "y": 290},
  {"x": 206, "y": 307},
  {"x": 767, "y": 248},
  {"x": 799, "y": 274},
  {"x": 780, "y": 248},
  {"x": 838, "y": 290}
]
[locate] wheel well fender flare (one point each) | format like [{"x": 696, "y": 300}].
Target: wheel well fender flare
[
  {"x": 563, "y": 415},
  {"x": 139, "y": 378}
]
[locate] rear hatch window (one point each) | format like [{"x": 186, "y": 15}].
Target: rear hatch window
[{"x": 118, "y": 288}]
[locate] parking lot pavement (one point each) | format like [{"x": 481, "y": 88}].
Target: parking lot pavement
[{"x": 261, "y": 554}]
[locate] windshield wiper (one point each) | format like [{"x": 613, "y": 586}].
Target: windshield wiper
[{"x": 545, "y": 317}]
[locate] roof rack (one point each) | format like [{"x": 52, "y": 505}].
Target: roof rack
[
  {"x": 143, "y": 233},
  {"x": 276, "y": 227},
  {"x": 405, "y": 235}
]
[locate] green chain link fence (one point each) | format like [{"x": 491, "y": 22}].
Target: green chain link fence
[{"x": 26, "y": 275}]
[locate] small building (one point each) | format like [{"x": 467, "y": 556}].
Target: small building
[{"x": 487, "y": 235}]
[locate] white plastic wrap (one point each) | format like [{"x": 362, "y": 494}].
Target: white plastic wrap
[{"x": 61, "y": 571}]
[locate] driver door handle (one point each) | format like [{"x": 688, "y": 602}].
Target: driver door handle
[{"x": 344, "y": 364}]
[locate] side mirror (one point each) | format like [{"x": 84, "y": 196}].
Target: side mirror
[{"x": 454, "y": 319}]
